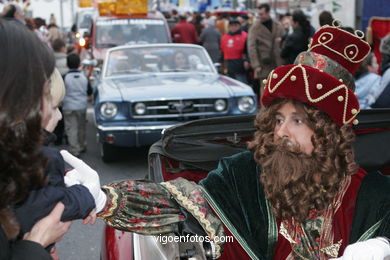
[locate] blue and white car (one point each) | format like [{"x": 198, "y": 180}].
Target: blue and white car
[{"x": 145, "y": 89}]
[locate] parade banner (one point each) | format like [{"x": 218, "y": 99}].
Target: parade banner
[
  {"x": 85, "y": 3},
  {"x": 132, "y": 6}
]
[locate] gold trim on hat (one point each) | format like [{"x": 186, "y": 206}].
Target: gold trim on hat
[
  {"x": 307, "y": 90},
  {"x": 345, "y": 55}
]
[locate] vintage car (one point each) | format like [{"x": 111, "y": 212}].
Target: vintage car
[
  {"x": 111, "y": 31},
  {"x": 192, "y": 149},
  {"x": 147, "y": 88}
]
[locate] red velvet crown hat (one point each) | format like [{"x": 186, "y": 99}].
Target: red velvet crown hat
[{"x": 322, "y": 76}]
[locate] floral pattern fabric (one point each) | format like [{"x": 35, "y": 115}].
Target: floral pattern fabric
[{"x": 150, "y": 208}]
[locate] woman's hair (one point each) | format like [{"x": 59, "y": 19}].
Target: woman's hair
[
  {"x": 299, "y": 17},
  {"x": 332, "y": 159},
  {"x": 26, "y": 64}
]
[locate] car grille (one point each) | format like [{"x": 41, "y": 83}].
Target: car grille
[{"x": 178, "y": 108}]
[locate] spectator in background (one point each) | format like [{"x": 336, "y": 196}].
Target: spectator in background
[
  {"x": 367, "y": 82},
  {"x": 286, "y": 21},
  {"x": 54, "y": 32},
  {"x": 74, "y": 105},
  {"x": 61, "y": 64},
  {"x": 296, "y": 42},
  {"x": 184, "y": 32},
  {"x": 264, "y": 44},
  {"x": 210, "y": 38},
  {"x": 197, "y": 22},
  {"x": 59, "y": 49},
  {"x": 243, "y": 19},
  {"x": 14, "y": 13},
  {"x": 222, "y": 23},
  {"x": 383, "y": 93},
  {"x": 325, "y": 18},
  {"x": 234, "y": 51}
]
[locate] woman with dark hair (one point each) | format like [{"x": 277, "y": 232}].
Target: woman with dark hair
[
  {"x": 296, "y": 42},
  {"x": 25, "y": 103}
]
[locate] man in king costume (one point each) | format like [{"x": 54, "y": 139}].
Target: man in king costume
[{"x": 297, "y": 192}]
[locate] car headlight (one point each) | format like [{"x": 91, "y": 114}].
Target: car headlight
[
  {"x": 220, "y": 105},
  {"x": 140, "y": 108},
  {"x": 109, "y": 109},
  {"x": 246, "y": 104}
]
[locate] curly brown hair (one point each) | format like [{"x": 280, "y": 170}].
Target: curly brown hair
[
  {"x": 293, "y": 181},
  {"x": 25, "y": 66}
]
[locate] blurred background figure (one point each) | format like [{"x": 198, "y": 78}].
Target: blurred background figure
[
  {"x": 234, "y": 51},
  {"x": 383, "y": 93},
  {"x": 14, "y": 13},
  {"x": 325, "y": 18},
  {"x": 264, "y": 40},
  {"x": 367, "y": 82},
  {"x": 180, "y": 60},
  {"x": 184, "y": 32},
  {"x": 74, "y": 105},
  {"x": 197, "y": 22},
  {"x": 244, "y": 21},
  {"x": 222, "y": 23},
  {"x": 53, "y": 31},
  {"x": 286, "y": 22},
  {"x": 210, "y": 38},
  {"x": 296, "y": 42}
]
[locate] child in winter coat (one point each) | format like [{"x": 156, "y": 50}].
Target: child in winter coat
[{"x": 78, "y": 201}]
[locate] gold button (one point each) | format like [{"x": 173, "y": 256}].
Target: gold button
[
  {"x": 341, "y": 80},
  {"x": 351, "y": 52},
  {"x": 275, "y": 76},
  {"x": 293, "y": 78},
  {"x": 324, "y": 38},
  {"x": 319, "y": 86},
  {"x": 355, "y": 122},
  {"x": 340, "y": 98},
  {"x": 264, "y": 81},
  {"x": 354, "y": 111}
]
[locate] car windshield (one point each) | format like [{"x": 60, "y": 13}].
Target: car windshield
[
  {"x": 115, "y": 32},
  {"x": 169, "y": 59}
]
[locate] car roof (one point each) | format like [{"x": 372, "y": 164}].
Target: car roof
[{"x": 156, "y": 45}]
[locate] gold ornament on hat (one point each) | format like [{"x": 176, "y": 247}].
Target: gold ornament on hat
[{"x": 342, "y": 98}]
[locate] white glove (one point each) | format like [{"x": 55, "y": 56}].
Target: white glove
[
  {"x": 85, "y": 175},
  {"x": 72, "y": 178},
  {"x": 372, "y": 249}
]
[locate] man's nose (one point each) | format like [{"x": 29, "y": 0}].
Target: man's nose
[{"x": 283, "y": 130}]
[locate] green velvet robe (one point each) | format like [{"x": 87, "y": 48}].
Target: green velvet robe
[
  {"x": 233, "y": 190},
  {"x": 236, "y": 196}
]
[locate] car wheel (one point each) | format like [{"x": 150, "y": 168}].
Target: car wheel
[{"x": 107, "y": 152}]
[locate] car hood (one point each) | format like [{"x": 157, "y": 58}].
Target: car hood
[{"x": 157, "y": 87}]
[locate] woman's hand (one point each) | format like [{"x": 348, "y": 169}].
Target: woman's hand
[{"x": 50, "y": 229}]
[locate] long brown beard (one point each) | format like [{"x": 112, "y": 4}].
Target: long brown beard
[{"x": 288, "y": 177}]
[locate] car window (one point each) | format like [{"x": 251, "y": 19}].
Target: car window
[
  {"x": 115, "y": 32},
  {"x": 158, "y": 60}
]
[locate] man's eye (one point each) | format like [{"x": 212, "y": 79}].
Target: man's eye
[
  {"x": 298, "y": 121},
  {"x": 279, "y": 121}
]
